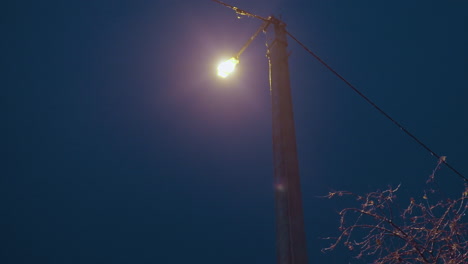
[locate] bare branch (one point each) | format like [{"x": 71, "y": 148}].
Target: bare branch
[{"x": 427, "y": 231}]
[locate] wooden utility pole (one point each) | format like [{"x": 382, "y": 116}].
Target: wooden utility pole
[{"x": 290, "y": 233}]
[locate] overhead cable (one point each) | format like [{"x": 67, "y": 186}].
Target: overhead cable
[
  {"x": 240, "y": 11},
  {"x": 441, "y": 158}
]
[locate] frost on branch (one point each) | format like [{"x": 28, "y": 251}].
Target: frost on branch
[{"x": 427, "y": 230}]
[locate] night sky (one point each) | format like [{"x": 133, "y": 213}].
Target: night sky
[{"x": 122, "y": 145}]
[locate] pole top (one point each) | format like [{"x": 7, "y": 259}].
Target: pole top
[{"x": 276, "y": 21}]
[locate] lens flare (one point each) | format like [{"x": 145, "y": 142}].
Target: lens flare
[{"x": 227, "y": 67}]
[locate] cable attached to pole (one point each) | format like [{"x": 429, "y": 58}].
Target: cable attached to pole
[
  {"x": 441, "y": 158},
  {"x": 240, "y": 11}
]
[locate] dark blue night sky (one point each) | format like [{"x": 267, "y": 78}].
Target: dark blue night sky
[{"x": 123, "y": 146}]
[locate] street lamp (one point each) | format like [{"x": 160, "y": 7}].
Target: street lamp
[
  {"x": 290, "y": 233},
  {"x": 227, "y": 67}
]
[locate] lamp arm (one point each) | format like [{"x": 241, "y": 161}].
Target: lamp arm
[{"x": 260, "y": 29}]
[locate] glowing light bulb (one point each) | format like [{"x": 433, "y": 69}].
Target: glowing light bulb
[{"x": 227, "y": 67}]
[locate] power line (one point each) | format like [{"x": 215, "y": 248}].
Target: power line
[
  {"x": 441, "y": 158},
  {"x": 240, "y": 11}
]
